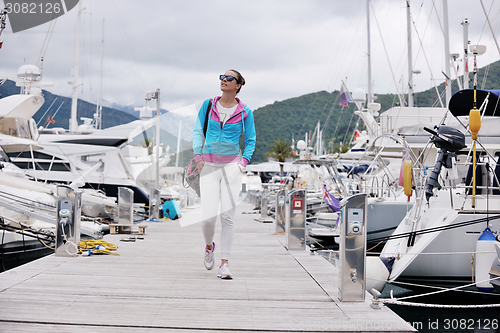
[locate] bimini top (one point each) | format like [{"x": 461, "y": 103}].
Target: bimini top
[{"x": 463, "y": 101}]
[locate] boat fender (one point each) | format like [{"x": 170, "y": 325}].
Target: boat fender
[
  {"x": 485, "y": 256},
  {"x": 388, "y": 262},
  {"x": 377, "y": 272},
  {"x": 408, "y": 170}
]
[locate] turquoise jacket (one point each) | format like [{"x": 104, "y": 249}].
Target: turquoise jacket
[{"x": 222, "y": 143}]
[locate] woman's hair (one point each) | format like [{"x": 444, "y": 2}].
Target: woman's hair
[{"x": 240, "y": 79}]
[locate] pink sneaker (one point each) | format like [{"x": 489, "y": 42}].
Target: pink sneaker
[
  {"x": 224, "y": 272},
  {"x": 209, "y": 257}
]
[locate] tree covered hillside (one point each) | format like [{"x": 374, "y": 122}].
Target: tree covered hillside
[{"x": 296, "y": 116}]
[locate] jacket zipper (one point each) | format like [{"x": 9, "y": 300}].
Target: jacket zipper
[{"x": 221, "y": 128}]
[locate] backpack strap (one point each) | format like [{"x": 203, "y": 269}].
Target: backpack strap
[{"x": 205, "y": 126}]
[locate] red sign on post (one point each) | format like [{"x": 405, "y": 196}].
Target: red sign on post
[{"x": 297, "y": 206}]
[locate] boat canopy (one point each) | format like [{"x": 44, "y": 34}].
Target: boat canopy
[
  {"x": 20, "y": 106},
  {"x": 463, "y": 101}
]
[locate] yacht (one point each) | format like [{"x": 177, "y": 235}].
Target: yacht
[{"x": 449, "y": 235}]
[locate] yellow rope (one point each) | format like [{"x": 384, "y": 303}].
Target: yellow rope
[
  {"x": 41, "y": 241},
  {"x": 92, "y": 245},
  {"x": 331, "y": 188},
  {"x": 314, "y": 240},
  {"x": 29, "y": 229}
]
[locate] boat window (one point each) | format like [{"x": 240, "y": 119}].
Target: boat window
[
  {"x": 44, "y": 166},
  {"x": 36, "y": 154},
  {"x": 18, "y": 127},
  {"x": 33, "y": 129}
]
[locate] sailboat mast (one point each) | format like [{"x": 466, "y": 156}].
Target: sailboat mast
[
  {"x": 98, "y": 123},
  {"x": 410, "y": 61},
  {"x": 447, "y": 55},
  {"x": 369, "y": 100},
  {"x": 157, "y": 178},
  {"x": 465, "y": 24},
  {"x": 73, "y": 122}
]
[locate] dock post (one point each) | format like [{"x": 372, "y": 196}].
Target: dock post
[
  {"x": 295, "y": 226},
  {"x": 125, "y": 205},
  {"x": 154, "y": 204},
  {"x": 353, "y": 248},
  {"x": 264, "y": 200},
  {"x": 280, "y": 212},
  {"x": 68, "y": 219}
]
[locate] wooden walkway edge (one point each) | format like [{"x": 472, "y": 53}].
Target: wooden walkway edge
[{"x": 159, "y": 284}]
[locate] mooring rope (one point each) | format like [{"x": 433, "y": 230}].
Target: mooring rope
[{"x": 398, "y": 301}]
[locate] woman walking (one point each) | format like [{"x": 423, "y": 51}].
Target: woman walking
[{"x": 219, "y": 159}]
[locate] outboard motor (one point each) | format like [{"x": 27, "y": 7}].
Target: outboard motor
[{"x": 450, "y": 140}]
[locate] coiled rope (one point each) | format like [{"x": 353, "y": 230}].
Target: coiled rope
[{"x": 95, "y": 246}]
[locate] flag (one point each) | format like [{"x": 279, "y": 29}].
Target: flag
[
  {"x": 49, "y": 120},
  {"x": 2, "y": 26},
  {"x": 356, "y": 134},
  {"x": 406, "y": 156},
  {"x": 345, "y": 97},
  {"x": 331, "y": 201}
]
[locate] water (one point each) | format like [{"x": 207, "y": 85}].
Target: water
[
  {"x": 447, "y": 320},
  {"x": 436, "y": 320}
]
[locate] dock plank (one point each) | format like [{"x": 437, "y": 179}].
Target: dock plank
[{"x": 160, "y": 284}]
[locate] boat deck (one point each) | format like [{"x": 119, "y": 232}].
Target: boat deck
[{"x": 160, "y": 284}]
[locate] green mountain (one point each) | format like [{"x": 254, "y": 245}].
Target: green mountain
[{"x": 296, "y": 116}]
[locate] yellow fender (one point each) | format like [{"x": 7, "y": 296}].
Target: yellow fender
[
  {"x": 474, "y": 126},
  {"x": 408, "y": 177}
]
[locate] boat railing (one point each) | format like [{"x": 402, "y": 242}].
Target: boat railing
[
  {"x": 380, "y": 187},
  {"x": 487, "y": 179}
]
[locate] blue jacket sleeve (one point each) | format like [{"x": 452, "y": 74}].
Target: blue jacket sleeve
[
  {"x": 198, "y": 130},
  {"x": 250, "y": 136}
]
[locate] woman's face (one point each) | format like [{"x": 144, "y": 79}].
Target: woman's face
[{"x": 230, "y": 86}]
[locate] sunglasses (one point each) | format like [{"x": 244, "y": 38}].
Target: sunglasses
[{"x": 229, "y": 78}]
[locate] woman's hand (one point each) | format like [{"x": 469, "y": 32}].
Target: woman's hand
[{"x": 200, "y": 165}]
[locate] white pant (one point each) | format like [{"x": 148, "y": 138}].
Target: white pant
[{"x": 219, "y": 182}]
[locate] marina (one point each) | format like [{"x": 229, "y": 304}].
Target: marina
[
  {"x": 159, "y": 284},
  {"x": 385, "y": 222}
]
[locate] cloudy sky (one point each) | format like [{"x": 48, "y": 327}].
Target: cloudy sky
[{"x": 283, "y": 48}]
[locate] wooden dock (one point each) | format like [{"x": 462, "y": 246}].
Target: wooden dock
[{"x": 159, "y": 284}]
